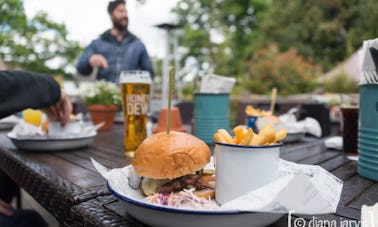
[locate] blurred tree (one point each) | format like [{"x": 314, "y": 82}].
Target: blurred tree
[
  {"x": 220, "y": 32},
  {"x": 326, "y": 30},
  {"x": 341, "y": 83},
  {"x": 241, "y": 19},
  {"x": 198, "y": 18},
  {"x": 287, "y": 71},
  {"x": 364, "y": 26},
  {"x": 227, "y": 33},
  {"x": 38, "y": 44}
]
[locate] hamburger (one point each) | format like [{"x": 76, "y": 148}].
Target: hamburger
[{"x": 172, "y": 162}]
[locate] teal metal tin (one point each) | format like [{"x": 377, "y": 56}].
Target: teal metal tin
[
  {"x": 211, "y": 112},
  {"x": 368, "y": 132}
]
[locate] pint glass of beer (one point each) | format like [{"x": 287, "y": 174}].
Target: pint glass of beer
[{"x": 135, "y": 96}]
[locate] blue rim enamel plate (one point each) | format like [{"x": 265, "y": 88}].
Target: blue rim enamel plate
[
  {"x": 6, "y": 126},
  {"x": 164, "y": 216},
  {"x": 43, "y": 143}
]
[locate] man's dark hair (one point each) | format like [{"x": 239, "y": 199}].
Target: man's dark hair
[{"x": 113, "y": 4}]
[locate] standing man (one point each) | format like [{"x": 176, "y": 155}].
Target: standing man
[{"x": 116, "y": 49}]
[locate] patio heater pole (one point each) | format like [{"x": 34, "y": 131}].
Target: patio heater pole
[
  {"x": 165, "y": 77},
  {"x": 168, "y": 28}
]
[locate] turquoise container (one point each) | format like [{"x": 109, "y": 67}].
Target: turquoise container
[
  {"x": 369, "y": 160},
  {"x": 211, "y": 112},
  {"x": 369, "y": 106},
  {"x": 368, "y": 132}
]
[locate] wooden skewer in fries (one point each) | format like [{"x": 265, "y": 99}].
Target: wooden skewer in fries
[
  {"x": 243, "y": 136},
  {"x": 273, "y": 100}
]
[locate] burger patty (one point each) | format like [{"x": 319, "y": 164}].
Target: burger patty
[{"x": 177, "y": 184}]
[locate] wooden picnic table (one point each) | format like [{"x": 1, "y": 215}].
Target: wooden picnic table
[{"x": 66, "y": 184}]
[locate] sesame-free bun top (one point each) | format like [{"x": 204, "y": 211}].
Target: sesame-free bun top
[{"x": 168, "y": 156}]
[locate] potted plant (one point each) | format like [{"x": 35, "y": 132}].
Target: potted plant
[{"x": 102, "y": 100}]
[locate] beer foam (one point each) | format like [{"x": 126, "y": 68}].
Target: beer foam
[{"x": 135, "y": 77}]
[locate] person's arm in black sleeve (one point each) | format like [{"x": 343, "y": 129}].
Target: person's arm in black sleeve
[
  {"x": 20, "y": 90},
  {"x": 83, "y": 66},
  {"x": 145, "y": 62}
]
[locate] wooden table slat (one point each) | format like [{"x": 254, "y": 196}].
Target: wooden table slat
[
  {"x": 345, "y": 171},
  {"x": 369, "y": 197},
  {"x": 334, "y": 163},
  {"x": 82, "y": 159},
  {"x": 302, "y": 152},
  {"x": 353, "y": 187},
  {"x": 349, "y": 213},
  {"x": 319, "y": 158},
  {"x": 109, "y": 151},
  {"x": 69, "y": 171}
]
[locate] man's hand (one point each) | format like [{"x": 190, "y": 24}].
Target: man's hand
[
  {"x": 5, "y": 209},
  {"x": 61, "y": 110},
  {"x": 97, "y": 61}
]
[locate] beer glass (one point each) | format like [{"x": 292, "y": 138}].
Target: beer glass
[
  {"x": 350, "y": 129},
  {"x": 135, "y": 95}
]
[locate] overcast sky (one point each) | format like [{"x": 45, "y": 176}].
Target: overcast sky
[{"x": 86, "y": 19}]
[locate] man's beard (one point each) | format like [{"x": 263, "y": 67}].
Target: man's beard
[{"x": 117, "y": 24}]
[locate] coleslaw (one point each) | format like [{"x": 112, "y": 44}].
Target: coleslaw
[{"x": 182, "y": 199}]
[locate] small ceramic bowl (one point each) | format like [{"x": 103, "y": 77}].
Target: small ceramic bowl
[{"x": 241, "y": 169}]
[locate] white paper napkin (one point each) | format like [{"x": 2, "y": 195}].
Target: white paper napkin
[
  {"x": 217, "y": 84},
  {"x": 289, "y": 122},
  {"x": 304, "y": 189},
  {"x": 367, "y": 70},
  {"x": 26, "y": 130},
  {"x": 335, "y": 142},
  {"x": 12, "y": 119}
]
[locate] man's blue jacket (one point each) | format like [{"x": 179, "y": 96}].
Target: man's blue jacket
[{"x": 128, "y": 54}]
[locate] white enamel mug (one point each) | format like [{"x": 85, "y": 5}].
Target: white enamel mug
[{"x": 241, "y": 169}]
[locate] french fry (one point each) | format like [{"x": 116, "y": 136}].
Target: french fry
[
  {"x": 266, "y": 136},
  {"x": 267, "y": 127},
  {"x": 45, "y": 125},
  {"x": 251, "y": 111},
  {"x": 239, "y": 133},
  {"x": 219, "y": 138},
  {"x": 247, "y": 137},
  {"x": 251, "y": 141},
  {"x": 225, "y": 135},
  {"x": 280, "y": 134}
]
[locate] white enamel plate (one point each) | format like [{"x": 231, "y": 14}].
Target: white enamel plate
[{"x": 164, "y": 216}]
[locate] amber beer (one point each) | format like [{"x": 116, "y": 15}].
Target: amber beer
[{"x": 135, "y": 95}]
